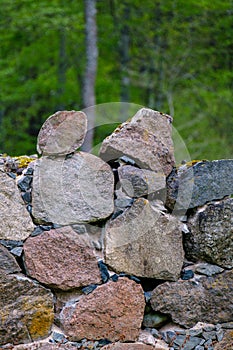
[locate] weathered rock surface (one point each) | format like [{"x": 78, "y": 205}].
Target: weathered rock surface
[
  {"x": 142, "y": 242},
  {"x": 211, "y": 232},
  {"x": 207, "y": 269},
  {"x": 8, "y": 264},
  {"x": 193, "y": 186},
  {"x": 26, "y": 310},
  {"x": 15, "y": 221},
  {"x": 129, "y": 346},
  {"x": 62, "y": 133},
  {"x": 140, "y": 182},
  {"x": 209, "y": 299},
  {"x": 146, "y": 139},
  {"x": 226, "y": 343},
  {"x": 61, "y": 258},
  {"x": 70, "y": 190},
  {"x": 113, "y": 311}
]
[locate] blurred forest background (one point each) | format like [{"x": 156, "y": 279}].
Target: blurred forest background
[{"x": 175, "y": 56}]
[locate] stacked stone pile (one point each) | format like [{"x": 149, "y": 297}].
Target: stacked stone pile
[{"x": 125, "y": 251}]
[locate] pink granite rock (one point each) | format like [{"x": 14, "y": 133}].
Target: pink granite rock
[
  {"x": 113, "y": 310},
  {"x": 61, "y": 258},
  {"x": 62, "y": 133}
]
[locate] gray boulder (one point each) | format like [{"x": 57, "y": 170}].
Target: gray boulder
[
  {"x": 142, "y": 242},
  {"x": 194, "y": 184},
  {"x": 70, "y": 190},
  {"x": 210, "y": 236}
]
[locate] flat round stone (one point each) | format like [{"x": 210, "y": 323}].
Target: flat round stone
[{"x": 62, "y": 133}]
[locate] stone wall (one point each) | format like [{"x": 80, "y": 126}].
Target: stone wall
[{"x": 122, "y": 251}]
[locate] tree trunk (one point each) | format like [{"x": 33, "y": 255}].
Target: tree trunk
[
  {"x": 88, "y": 94},
  {"x": 124, "y": 53},
  {"x": 61, "y": 69}
]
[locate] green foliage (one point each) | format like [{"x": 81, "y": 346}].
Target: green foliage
[{"x": 180, "y": 62}]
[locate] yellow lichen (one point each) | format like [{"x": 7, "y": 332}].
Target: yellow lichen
[
  {"x": 191, "y": 163},
  {"x": 41, "y": 323},
  {"x": 23, "y": 161}
]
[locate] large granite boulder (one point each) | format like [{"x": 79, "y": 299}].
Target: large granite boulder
[
  {"x": 15, "y": 221},
  {"x": 145, "y": 242},
  {"x": 70, "y": 190},
  {"x": 146, "y": 139},
  {"x": 211, "y": 232},
  {"x": 207, "y": 299},
  {"x": 62, "y": 133},
  {"x": 113, "y": 311},
  {"x": 196, "y": 183},
  {"x": 62, "y": 259},
  {"x": 26, "y": 310}
]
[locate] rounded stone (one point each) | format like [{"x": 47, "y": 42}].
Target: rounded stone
[{"x": 62, "y": 133}]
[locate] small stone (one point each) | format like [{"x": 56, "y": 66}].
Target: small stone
[
  {"x": 195, "y": 332},
  {"x": 123, "y": 202},
  {"x": 208, "y": 269},
  {"x": 103, "y": 342},
  {"x": 131, "y": 346},
  {"x": 24, "y": 183},
  {"x": 62, "y": 133},
  {"x": 8, "y": 264},
  {"x": 51, "y": 345},
  {"x": 10, "y": 244},
  {"x": 89, "y": 289},
  {"x": 59, "y": 337},
  {"x": 187, "y": 274},
  {"x": 27, "y": 197},
  {"x": 146, "y": 337},
  {"x": 209, "y": 335},
  {"x": 226, "y": 343},
  {"x": 187, "y": 343},
  {"x": 209, "y": 328},
  {"x": 17, "y": 251},
  {"x": 103, "y": 271},
  {"x": 199, "y": 347},
  {"x": 208, "y": 343},
  {"x": 114, "y": 277},
  {"x": 154, "y": 319},
  {"x": 169, "y": 336},
  {"x": 37, "y": 231},
  {"x": 28, "y": 171},
  {"x": 227, "y": 325},
  {"x": 80, "y": 229},
  {"x": 137, "y": 182}
]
